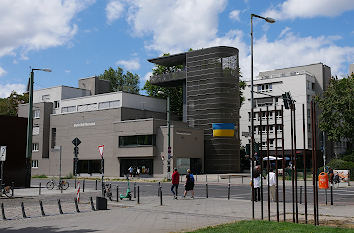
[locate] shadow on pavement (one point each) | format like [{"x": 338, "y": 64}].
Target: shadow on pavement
[{"x": 43, "y": 229}]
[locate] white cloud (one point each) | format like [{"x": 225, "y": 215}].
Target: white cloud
[
  {"x": 235, "y": 15},
  {"x": 2, "y": 71},
  {"x": 147, "y": 77},
  {"x": 5, "y": 90},
  {"x": 291, "y": 9},
  {"x": 114, "y": 10},
  {"x": 175, "y": 25},
  {"x": 132, "y": 64},
  {"x": 37, "y": 24}
]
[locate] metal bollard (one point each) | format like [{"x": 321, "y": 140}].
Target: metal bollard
[
  {"x": 117, "y": 193},
  {"x": 228, "y": 191},
  {"x": 40, "y": 188},
  {"x": 59, "y": 207},
  {"x": 160, "y": 195},
  {"x": 206, "y": 191},
  {"x": 3, "y": 211},
  {"x": 134, "y": 189},
  {"x": 76, "y": 206},
  {"x": 12, "y": 188},
  {"x": 23, "y": 210},
  {"x": 331, "y": 194},
  {"x": 300, "y": 194},
  {"x": 138, "y": 200},
  {"x": 83, "y": 186},
  {"x": 96, "y": 185},
  {"x": 92, "y": 205},
  {"x": 158, "y": 189},
  {"x": 42, "y": 209}
]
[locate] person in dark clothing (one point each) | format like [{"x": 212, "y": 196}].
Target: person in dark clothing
[
  {"x": 189, "y": 185},
  {"x": 175, "y": 183}
]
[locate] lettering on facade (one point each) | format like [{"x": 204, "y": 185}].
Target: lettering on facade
[{"x": 84, "y": 124}]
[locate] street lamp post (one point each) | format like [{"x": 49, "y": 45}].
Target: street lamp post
[
  {"x": 269, "y": 20},
  {"x": 30, "y": 126},
  {"x": 168, "y": 134}
]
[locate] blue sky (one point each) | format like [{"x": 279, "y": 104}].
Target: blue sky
[{"x": 81, "y": 38}]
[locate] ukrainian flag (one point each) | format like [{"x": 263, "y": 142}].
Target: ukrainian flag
[{"x": 223, "y": 129}]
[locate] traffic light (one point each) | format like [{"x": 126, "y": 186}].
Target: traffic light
[{"x": 76, "y": 150}]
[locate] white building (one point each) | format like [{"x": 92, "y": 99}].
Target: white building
[{"x": 303, "y": 83}]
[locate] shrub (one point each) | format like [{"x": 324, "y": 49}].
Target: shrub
[{"x": 40, "y": 176}]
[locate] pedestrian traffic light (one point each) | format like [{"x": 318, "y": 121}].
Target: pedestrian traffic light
[{"x": 76, "y": 150}]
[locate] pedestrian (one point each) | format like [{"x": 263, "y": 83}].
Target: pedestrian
[
  {"x": 272, "y": 184},
  {"x": 189, "y": 185},
  {"x": 175, "y": 183},
  {"x": 257, "y": 183},
  {"x": 130, "y": 169},
  {"x": 138, "y": 171},
  {"x": 330, "y": 174}
]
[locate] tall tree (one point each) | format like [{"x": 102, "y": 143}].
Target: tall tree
[
  {"x": 337, "y": 106},
  {"x": 9, "y": 105},
  {"x": 120, "y": 81}
]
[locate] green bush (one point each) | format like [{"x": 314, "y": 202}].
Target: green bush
[
  {"x": 40, "y": 176},
  {"x": 340, "y": 164}
]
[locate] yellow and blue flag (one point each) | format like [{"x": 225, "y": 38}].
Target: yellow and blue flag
[{"x": 223, "y": 129}]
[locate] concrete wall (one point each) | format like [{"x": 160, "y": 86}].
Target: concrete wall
[{"x": 95, "y": 85}]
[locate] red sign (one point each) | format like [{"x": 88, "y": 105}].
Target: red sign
[{"x": 100, "y": 149}]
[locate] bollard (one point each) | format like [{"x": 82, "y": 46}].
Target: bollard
[
  {"x": 228, "y": 191},
  {"x": 117, "y": 193},
  {"x": 134, "y": 189},
  {"x": 83, "y": 186},
  {"x": 75, "y": 182},
  {"x": 138, "y": 200},
  {"x": 42, "y": 209},
  {"x": 206, "y": 190},
  {"x": 3, "y": 211},
  {"x": 158, "y": 189},
  {"x": 59, "y": 207},
  {"x": 300, "y": 194},
  {"x": 40, "y": 188},
  {"x": 96, "y": 185},
  {"x": 160, "y": 195},
  {"x": 331, "y": 194},
  {"x": 76, "y": 205},
  {"x": 92, "y": 205},
  {"x": 23, "y": 210},
  {"x": 12, "y": 188}
]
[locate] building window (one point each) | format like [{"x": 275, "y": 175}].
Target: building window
[
  {"x": 36, "y": 113},
  {"x": 34, "y": 163},
  {"x": 137, "y": 140},
  {"x": 108, "y": 104},
  {"x": 35, "y": 130},
  {"x": 35, "y": 147},
  {"x": 89, "y": 166},
  {"x": 56, "y": 104},
  {"x": 68, "y": 109},
  {"x": 54, "y": 137},
  {"x": 45, "y": 98}
]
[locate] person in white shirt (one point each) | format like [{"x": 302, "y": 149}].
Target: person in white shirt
[{"x": 272, "y": 184}]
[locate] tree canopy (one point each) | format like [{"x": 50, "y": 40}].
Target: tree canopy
[
  {"x": 9, "y": 105},
  {"x": 337, "y": 106},
  {"x": 120, "y": 81}
]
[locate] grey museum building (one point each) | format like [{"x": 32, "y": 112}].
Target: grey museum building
[{"x": 133, "y": 128}]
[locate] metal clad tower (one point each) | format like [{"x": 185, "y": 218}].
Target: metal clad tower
[{"x": 210, "y": 83}]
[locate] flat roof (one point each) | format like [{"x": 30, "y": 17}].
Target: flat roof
[{"x": 171, "y": 60}]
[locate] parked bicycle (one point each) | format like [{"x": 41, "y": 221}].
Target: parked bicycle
[
  {"x": 62, "y": 184},
  {"x": 5, "y": 190}
]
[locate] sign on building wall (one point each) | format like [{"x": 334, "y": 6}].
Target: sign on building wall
[
  {"x": 223, "y": 129},
  {"x": 2, "y": 153}
]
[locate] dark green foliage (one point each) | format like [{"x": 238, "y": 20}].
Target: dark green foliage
[
  {"x": 9, "y": 105},
  {"x": 337, "y": 106},
  {"x": 120, "y": 81}
]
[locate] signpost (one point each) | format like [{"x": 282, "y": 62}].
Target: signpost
[
  {"x": 76, "y": 143},
  {"x": 100, "y": 150},
  {"x": 2, "y": 159}
]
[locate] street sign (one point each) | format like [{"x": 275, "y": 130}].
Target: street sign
[
  {"x": 100, "y": 149},
  {"x": 2, "y": 153},
  {"x": 76, "y": 142}
]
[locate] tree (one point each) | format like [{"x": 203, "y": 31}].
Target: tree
[
  {"x": 9, "y": 105},
  {"x": 120, "y": 81},
  {"x": 337, "y": 106}
]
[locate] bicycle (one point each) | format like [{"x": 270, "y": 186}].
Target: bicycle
[
  {"x": 62, "y": 184},
  {"x": 5, "y": 190}
]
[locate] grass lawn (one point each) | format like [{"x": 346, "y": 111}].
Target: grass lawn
[{"x": 271, "y": 227}]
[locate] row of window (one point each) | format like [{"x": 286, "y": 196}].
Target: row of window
[
  {"x": 264, "y": 87},
  {"x": 256, "y": 115},
  {"x": 137, "y": 140},
  {"x": 91, "y": 107}
]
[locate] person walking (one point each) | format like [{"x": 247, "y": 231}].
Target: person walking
[
  {"x": 257, "y": 183},
  {"x": 130, "y": 169},
  {"x": 189, "y": 185},
  {"x": 175, "y": 183},
  {"x": 272, "y": 184}
]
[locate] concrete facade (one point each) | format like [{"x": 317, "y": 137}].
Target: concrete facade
[{"x": 210, "y": 95}]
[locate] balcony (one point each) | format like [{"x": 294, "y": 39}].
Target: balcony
[{"x": 169, "y": 79}]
